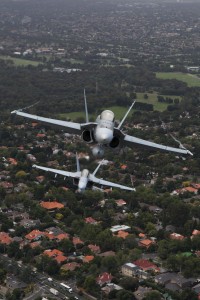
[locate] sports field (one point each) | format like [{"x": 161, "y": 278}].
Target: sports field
[
  {"x": 20, "y": 62},
  {"x": 190, "y": 79}
]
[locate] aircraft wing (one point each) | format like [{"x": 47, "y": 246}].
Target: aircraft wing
[
  {"x": 132, "y": 141},
  {"x": 108, "y": 183},
  {"x": 71, "y": 127},
  {"x": 60, "y": 172}
]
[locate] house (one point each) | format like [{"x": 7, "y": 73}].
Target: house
[
  {"x": 51, "y": 205},
  {"x": 5, "y": 238},
  {"x": 146, "y": 243},
  {"x": 90, "y": 220},
  {"x": 35, "y": 244},
  {"x": 120, "y": 202},
  {"x": 40, "y": 178},
  {"x": 60, "y": 259},
  {"x": 122, "y": 234},
  {"x": 176, "y": 236},
  {"x": 141, "y": 292},
  {"x": 196, "y": 185},
  {"x": 146, "y": 265},
  {"x": 195, "y": 232},
  {"x": 53, "y": 253},
  {"x": 56, "y": 254},
  {"x": 111, "y": 287},
  {"x": 8, "y": 186},
  {"x": 104, "y": 278},
  {"x": 164, "y": 278},
  {"x": 130, "y": 269},
  {"x": 76, "y": 241},
  {"x": 189, "y": 189},
  {"x": 117, "y": 228},
  {"x": 88, "y": 258},
  {"x": 94, "y": 248},
  {"x": 70, "y": 266},
  {"x": 27, "y": 223},
  {"x": 54, "y": 230},
  {"x": 12, "y": 161},
  {"x": 34, "y": 235},
  {"x": 62, "y": 236},
  {"x": 107, "y": 253},
  {"x": 183, "y": 282},
  {"x": 174, "y": 281},
  {"x": 142, "y": 235}
]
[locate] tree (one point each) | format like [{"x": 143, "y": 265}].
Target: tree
[
  {"x": 2, "y": 275},
  {"x": 20, "y": 174},
  {"x": 90, "y": 283},
  {"x": 110, "y": 263},
  {"x": 125, "y": 295},
  {"x": 188, "y": 294},
  {"x": 154, "y": 295},
  {"x": 26, "y": 275},
  {"x": 129, "y": 283}
]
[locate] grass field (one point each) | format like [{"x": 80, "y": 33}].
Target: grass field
[
  {"x": 152, "y": 99},
  {"x": 190, "y": 79},
  {"x": 120, "y": 111},
  {"x": 75, "y": 61},
  {"x": 20, "y": 61}
]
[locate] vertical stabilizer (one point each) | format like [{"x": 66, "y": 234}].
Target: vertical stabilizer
[
  {"x": 77, "y": 163},
  {"x": 124, "y": 118},
  {"x": 97, "y": 168},
  {"x": 86, "y": 110}
]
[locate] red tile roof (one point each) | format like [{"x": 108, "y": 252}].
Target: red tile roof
[
  {"x": 145, "y": 265},
  {"x": 12, "y": 161},
  {"x": 120, "y": 202},
  {"x": 62, "y": 236},
  {"x": 176, "y": 236},
  {"x": 76, "y": 241},
  {"x": 34, "y": 244},
  {"x": 90, "y": 220},
  {"x": 104, "y": 278},
  {"x": 53, "y": 253},
  {"x": 146, "y": 243},
  {"x": 70, "y": 266},
  {"x": 94, "y": 248},
  {"x": 34, "y": 234},
  {"x": 88, "y": 258},
  {"x": 195, "y": 232},
  {"x": 5, "y": 238},
  {"x": 122, "y": 234},
  {"x": 60, "y": 258},
  {"x": 6, "y": 184},
  {"x": 190, "y": 189},
  {"x": 141, "y": 235},
  {"x": 51, "y": 205}
]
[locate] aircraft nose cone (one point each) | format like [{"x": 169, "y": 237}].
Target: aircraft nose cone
[{"x": 104, "y": 136}]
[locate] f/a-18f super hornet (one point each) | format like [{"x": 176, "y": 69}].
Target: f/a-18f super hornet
[
  {"x": 103, "y": 132},
  {"x": 84, "y": 178}
]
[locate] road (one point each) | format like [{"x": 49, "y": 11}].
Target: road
[{"x": 43, "y": 284}]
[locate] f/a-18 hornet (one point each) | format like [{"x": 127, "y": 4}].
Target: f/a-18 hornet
[
  {"x": 84, "y": 178},
  {"x": 103, "y": 132}
]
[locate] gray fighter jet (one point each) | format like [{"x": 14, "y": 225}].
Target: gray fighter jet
[
  {"x": 84, "y": 178},
  {"x": 103, "y": 132}
]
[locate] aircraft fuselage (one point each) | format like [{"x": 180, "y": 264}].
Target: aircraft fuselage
[
  {"x": 83, "y": 181},
  {"x": 103, "y": 133}
]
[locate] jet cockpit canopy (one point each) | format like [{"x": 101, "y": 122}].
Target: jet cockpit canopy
[
  {"x": 85, "y": 173},
  {"x": 107, "y": 115}
]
